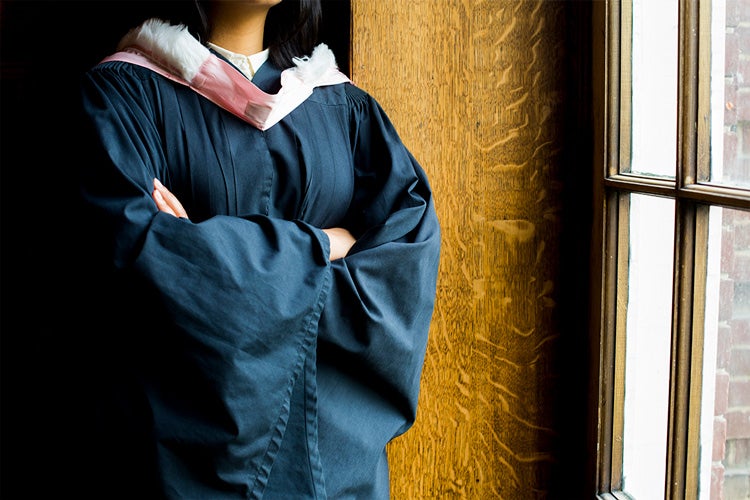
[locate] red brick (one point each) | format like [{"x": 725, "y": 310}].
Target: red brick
[
  {"x": 739, "y": 363},
  {"x": 739, "y": 392},
  {"x": 743, "y": 34},
  {"x": 721, "y": 400},
  {"x": 740, "y": 329},
  {"x": 728, "y": 219},
  {"x": 736, "y": 485},
  {"x": 740, "y": 174},
  {"x": 743, "y": 110},
  {"x": 724, "y": 346},
  {"x": 737, "y": 456},
  {"x": 726, "y": 297},
  {"x": 720, "y": 439},
  {"x": 717, "y": 482},
  {"x": 731, "y": 98},
  {"x": 741, "y": 266},
  {"x": 731, "y": 52},
  {"x": 727, "y": 241},
  {"x": 730, "y": 158},
  {"x": 740, "y": 218},
  {"x": 733, "y": 12},
  {"x": 738, "y": 424},
  {"x": 730, "y": 120}
]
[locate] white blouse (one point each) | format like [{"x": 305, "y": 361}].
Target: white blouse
[{"x": 247, "y": 64}]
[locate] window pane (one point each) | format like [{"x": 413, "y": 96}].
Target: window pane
[
  {"x": 725, "y": 413},
  {"x": 654, "y": 88},
  {"x": 647, "y": 346},
  {"x": 730, "y": 93}
]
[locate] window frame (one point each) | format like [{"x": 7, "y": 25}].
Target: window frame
[{"x": 609, "y": 274}]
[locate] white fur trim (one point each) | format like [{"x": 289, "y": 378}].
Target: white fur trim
[
  {"x": 311, "y": 69},
  {"x": 169, "y": 44}
]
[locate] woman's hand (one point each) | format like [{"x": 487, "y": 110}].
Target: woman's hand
[
  {"x": 341, "y": 241},
  {"x": 166, "y": 201}
]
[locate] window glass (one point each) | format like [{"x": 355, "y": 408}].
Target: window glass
[
  {"x": 725, "y": 433},
  {"x": 649, "y": 314},
  {"x": 730, "y": 93},
  {"x": 654, "y": 88}
]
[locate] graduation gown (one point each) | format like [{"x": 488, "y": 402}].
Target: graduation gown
[{"x": 229, "y": 358}]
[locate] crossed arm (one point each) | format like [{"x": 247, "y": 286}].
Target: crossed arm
[{"x": 341, "y": 240}]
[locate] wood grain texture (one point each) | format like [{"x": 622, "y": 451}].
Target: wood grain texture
[{"x": 474, "y": 88}]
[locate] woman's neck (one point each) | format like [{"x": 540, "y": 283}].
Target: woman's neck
[{"x": 238, "y": 26}]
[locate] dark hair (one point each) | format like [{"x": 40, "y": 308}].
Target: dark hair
[{"x": 291, "y": 29}]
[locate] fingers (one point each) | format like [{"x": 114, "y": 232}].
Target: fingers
[
  {"x": 166, "y": 201},
  {"x": 161, "y": 204}
]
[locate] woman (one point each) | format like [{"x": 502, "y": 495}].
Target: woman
[{"x": 263, "y": 254}]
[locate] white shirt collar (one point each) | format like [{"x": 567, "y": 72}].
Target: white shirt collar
[{"x": 247, "y": 64}]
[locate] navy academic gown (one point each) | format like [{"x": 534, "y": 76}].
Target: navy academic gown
[{"x": 226, "y": 356}]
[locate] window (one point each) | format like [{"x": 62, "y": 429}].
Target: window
[{"x": 672, "y": 233}]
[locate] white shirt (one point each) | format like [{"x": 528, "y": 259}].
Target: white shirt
[{"x": 247, "y": 64}]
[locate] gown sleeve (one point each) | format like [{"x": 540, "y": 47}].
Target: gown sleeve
[
  {"x": 374, "y": 328},
  {"x": 213, "y": 319}
]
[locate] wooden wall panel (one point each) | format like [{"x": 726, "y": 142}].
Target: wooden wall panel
[{"x": 474, "y": 87}]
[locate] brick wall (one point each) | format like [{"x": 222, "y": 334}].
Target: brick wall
[{"x": 731, "y": 450}]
